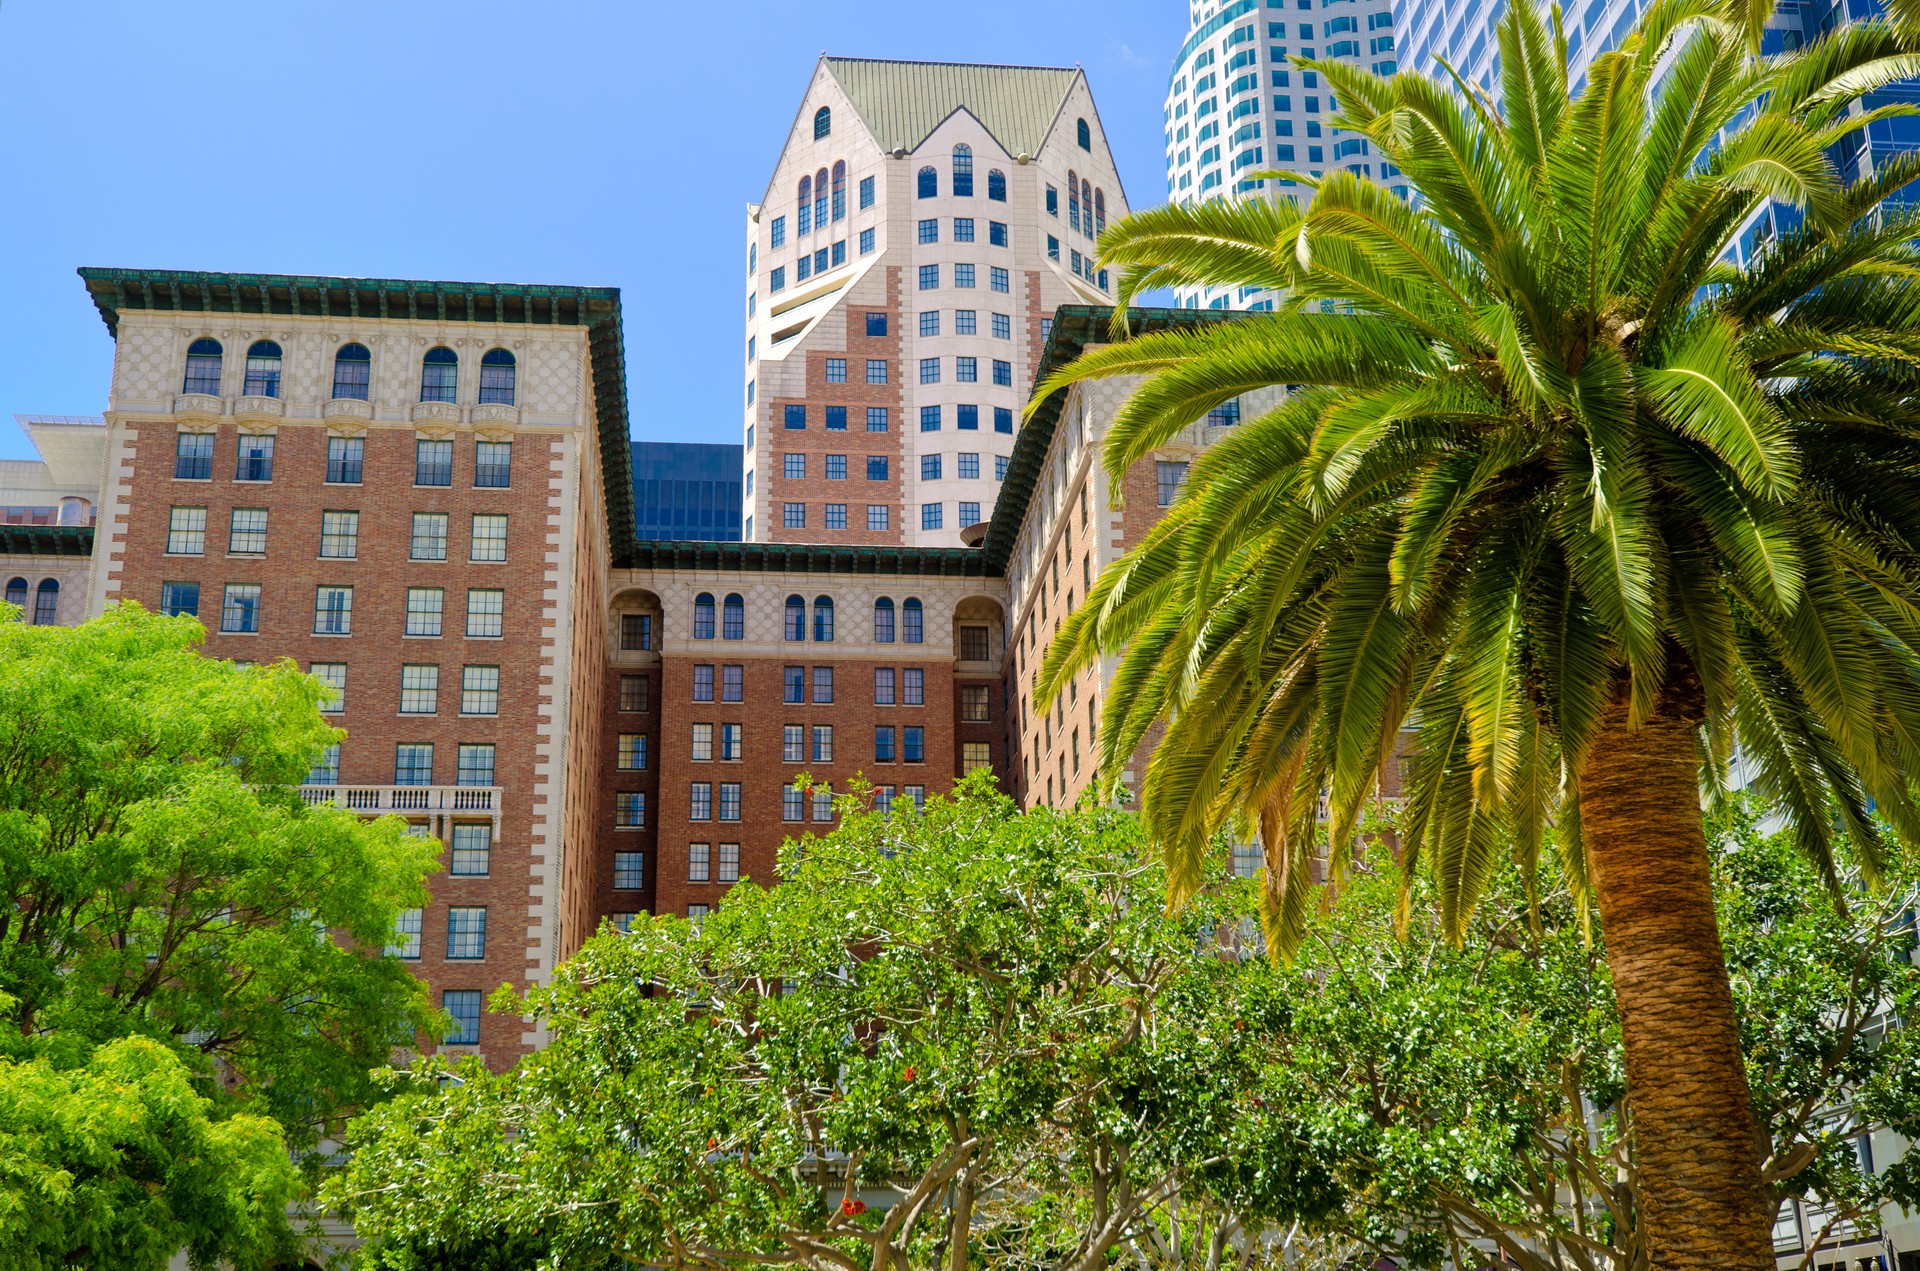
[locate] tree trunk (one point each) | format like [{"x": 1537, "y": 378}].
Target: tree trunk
[{"x": 1701, "y": 1200}]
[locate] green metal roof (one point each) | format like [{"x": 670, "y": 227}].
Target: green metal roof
[
  {"x": 595, "y": 308},
  {"x": 902, "y": 102},
  {"x": 46, "y": 540},
  {"x": 1074, "y": 328},
  {"x": 813, "y": 558}
]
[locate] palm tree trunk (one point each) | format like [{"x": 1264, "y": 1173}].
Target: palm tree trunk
[{"x": 1701, "y": 1200}]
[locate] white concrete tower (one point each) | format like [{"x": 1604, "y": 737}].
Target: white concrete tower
[
  {"x": 1236, "y": 105},
  {"x": 922, "y": 224}
]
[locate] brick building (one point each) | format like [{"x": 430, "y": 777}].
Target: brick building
[{"x": 424, "y": 494}]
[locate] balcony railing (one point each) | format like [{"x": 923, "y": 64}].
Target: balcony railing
[{"x": 378, "y": 799}]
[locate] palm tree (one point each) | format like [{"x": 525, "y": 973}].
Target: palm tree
[{"x": 1561, "y": 487}]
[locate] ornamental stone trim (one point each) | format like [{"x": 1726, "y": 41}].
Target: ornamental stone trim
[
  {"x": 495, "y": 413},
  {"x": 347, "y": 408},
  {"x": 436, "y": 412},
  {"x": 260, "y": 408},
  {"x": 196, "y": 406}
]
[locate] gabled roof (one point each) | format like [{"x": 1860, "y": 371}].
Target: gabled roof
[
  {"x": 595, "y": 308},
  {"x": 902, "y": 102}
]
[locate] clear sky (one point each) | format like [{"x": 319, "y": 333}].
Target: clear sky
[{"x": 592, "y": 142}]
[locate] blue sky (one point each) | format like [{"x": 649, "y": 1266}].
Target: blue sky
[{"x": 565, "y": 141}]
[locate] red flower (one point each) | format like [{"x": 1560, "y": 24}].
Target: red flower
[
  {"x": 712, "y": 1143},
  {"x": 909, "y": 1074},
  {"x": 853, "y": 1207}
]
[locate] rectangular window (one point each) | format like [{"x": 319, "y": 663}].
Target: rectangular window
[
  {"x": 778, "y": 236},
  {"x": 967, "y": 417},
  {"x": 629, "y": 871},
  {"x": 636, "y": 694},
  {"x": 822, "y": 803},
  {"x": 729, "y": 861},
  {"x": 963, "y": 229},
  {"x": 876, "y": 324},
  {"x": 918, "y": 794},
  {"x": 636, "y": 631},
  {"x": 793, "y": 467},
  {"x": 1167, "y": 478},
  {"x": 974, "y": 644},
  {"x": 700, "y": 748},
  {"x": 632, "y": 754},
  {"x": 997, "y": 233},
  {"x": 866, "y": 192},
  {"x": 929, "y": 372},
  {"x": 913, "y": 686},
  {"x": 929, "y": 277},
  {"x": 730, "y": 742},
  {"x": 883, "y": 686},
  {"x": 256, "y": 458},
  {"x": 883, "y": 799},
  {"x": 406, "y": 939},
  {"x": 1002, "y": 326},
  {"x": 333, "y": 611},
  {"x": 793, "y": 516},
  {"x": 836, "y": 370},
  {"x": 839, "y": 252},
  {"x": 470, "y": 852},
  {"x": 969, "y": 464},
  {"x": 930, "y": 516},
  {"x": 703, "y": 682},
  {"x": 836, "y": 516},
  {"x": 876, "y": 374},
  {"x": 419, "y": 689},
  {"x": 997, "y": 279},
  {"x": 467, "y": 933},
  {"x": 630, "y": 812},
  {"x": 836, "y": 418},
  {"x": 346, "y": 459},
  {"x": 729, "y": 800},
  {"x": 792, "y": 803},
  {"x": 1003, "y": 373},
  {"x": 492, "y": 465},
  {"x": 876, "y": 467},
  {"x": 433, "y": 463},
  {"x": 796, "y": 417},
  {"x": 965, "y": 321},
  {"x": 180, "y": 598},
  {"x": 777, "y": 280},
  {"x": 793, "y": 683},
  {"x": 247, "y": 532},
  {"x": 424, "y": 607},
  {"x": 883, "y": 743},
  {"x": 700, "y": 801},
  {"x": 339, "y": 535},
  {"x": 974, "y": 703},
  {"x": 1003, "y": 420},
  {"x": 413, "y": 764},
  {"x": 732, "y": 681},
  {"x": 480, "y": 690},
  {"x": 929, "y": 231},
  {"x": 929, "y": 467},
  {"x": 193, "y": 456},
  {"x": 822, "y": 686},
  {"x": 240, "y": 608},
  {"x": 823, "y": 743},
  {"x": 802, "y": 270},
  {"x": 999, "y": 465},
  {"x": 486, "y": 607},
  {"x": 866, "y": 241},
  {"x": 913, "y": 744},
  {"x": 1053, "y": 201},
  {"x": 969, "y": 514},
  {"x": 878, "y": 516},
  {"x": 793, "y": 743},
  {"x": 489, "y": 537},
  {"x": 930, "y": 322},
  {"x": 187, "y": 532},
  {"x": 1053, "y": 248},
  {"x": 963, "y": 275},
  {"x": 334, "y": 676},
  {"x": 429, "y": 536},
  {"x": 836, "y": 467},
  {"x": 975, "y": 754},
  {"x": 929, "y": 419},
  {"x": 463, "y": 1006}
]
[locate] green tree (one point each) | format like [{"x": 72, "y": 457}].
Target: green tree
[
  {"x": 1558, "y": 483},
  {"x": 957, "y": 1036},
  {"x": 161, "y": 878}
]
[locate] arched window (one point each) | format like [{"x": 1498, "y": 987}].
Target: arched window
[
  {"x": 1073, "y": 199},
  {"x": 883, "y": 621},
  {"x": 203, "y": 367},
  {"x": 46, "y": 602},
  {"x": 796, "y": 618},
  {"x": 822, "y": 123},
  {"x": 439, "y": 373},
  {"x": 823, "y": 619},
  {"x": 820, "y": 199},
  {"x": 805, "y": 215},
  {"x": 840, "y": 190},
  {"x": 963, "y": 170},
  {"x": 703, "y": 616},
  {"x": 1099, "y": 213},
  {"x": 996, "y": 185},
  {"x": 913, "y": 625},
  {"x": 496, "y": 377},
  {"x": 352, "y": 372},
  {"x": 1086, "y": 207},
  {"x": 17, "y": 593},
  {"x": 1086, "y": 135},
  {"x": 263, "y": 370},
  {"x": 733, "y": 618},
  {"x": 929, "y": 183}
]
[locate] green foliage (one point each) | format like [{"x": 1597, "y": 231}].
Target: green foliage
[
  {"x": 1545, "y": 452},
  {"x": 120, "y": 1163},
  {"x": 161, "y": 879}
]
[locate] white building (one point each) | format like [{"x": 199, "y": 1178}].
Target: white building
[
  {"x": 47, "y": 514},
  {"x": 1237, "y": 106},
  {"x": 921, "y": 225}
]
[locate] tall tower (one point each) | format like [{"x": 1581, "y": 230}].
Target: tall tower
[
  {"x": 1236, "y": 105},
  {"x": 923, "y": 222}
]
